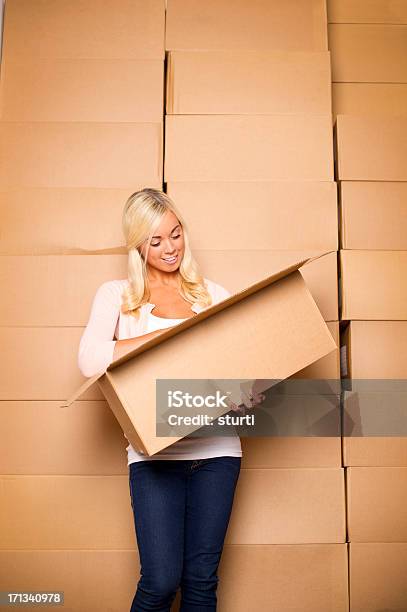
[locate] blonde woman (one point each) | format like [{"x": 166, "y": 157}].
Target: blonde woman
[{"x": 182, "y": 496}]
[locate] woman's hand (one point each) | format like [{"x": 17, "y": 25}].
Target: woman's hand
[{"x": 249, "y": 400}]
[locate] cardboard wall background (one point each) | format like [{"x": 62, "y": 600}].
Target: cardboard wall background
[
  {"x": 42, "y": 333},
  {"x": 84, "y": 449},
  {"x": 368, "y": 43}
]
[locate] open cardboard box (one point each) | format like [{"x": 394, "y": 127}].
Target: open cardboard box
[{"x": 264, "y": 333}]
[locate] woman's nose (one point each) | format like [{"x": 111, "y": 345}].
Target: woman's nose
[{"x": 169, "y": 247}]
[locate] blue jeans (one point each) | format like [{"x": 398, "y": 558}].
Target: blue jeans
[{"x": 181, "y": 514}]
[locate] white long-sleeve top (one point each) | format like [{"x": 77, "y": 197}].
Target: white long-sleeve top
[{"x": 107, "y": 324}]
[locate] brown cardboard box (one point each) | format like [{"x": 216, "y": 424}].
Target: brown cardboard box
[
  {"x": 248, "y": 82},
  {"x": 378, "y": 576},
  {"x": 292, "y": 451},
  {"x": 388, "y": 360},
  {"x": 377, "y": 504},
  {"x": 327, "y": 367},
  {"x": 373, "y": 215},
  {"x": 94, "y": 90},
  {"x": 275, "y": 215},
  {"x": 48, "y": 358},
  {"x": 309, "y": 577},
  {"x": 251, "y": 577},
  {"x": 129, "y": 29},
  {"x": 264, "y": 312},
  {"x": 359, "y": 11},
  {"x": 368, "y": 53},
  {"x": 118, "y": 155},
  {"x": 290, "y": 26},
  {"x": 373, "y": 285},
  {"x": 73, "y": 280},
  {"x": 371, "y": 148},
  {"x": 248, "y": 148},
  {"x": 389, "y": 99},
  {"x": 86, "y": 440},
  {"x": 299, "y": 506},
  {"x": 375, "y": 428},
  {"x": 382, "y": 451},
  {"x": 71, "y": 213}
]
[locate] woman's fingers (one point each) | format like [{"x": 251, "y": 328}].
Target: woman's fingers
[
  {"x": 252, "y": 398},
  {"x": 249, "y": 400}
]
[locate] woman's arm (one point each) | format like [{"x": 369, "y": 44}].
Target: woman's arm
[
  {"x": 96, "y": 344},
  {"x": 125, "y": 346},
  {"x": 97, "y": 349}
]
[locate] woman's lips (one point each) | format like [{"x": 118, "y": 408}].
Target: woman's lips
[{"x": 170, "y": 260}]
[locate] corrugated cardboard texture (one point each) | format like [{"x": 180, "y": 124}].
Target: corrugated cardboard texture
[
  {"x": 292, "y": 26},
  {"x": 388, "y": 360},
  {"x": 378, "y": 576},
  {"x": 309, "y": 577},
  {"x": 378, "y": 451},
  {"x": 86, "y": 440},
  {"x": 74, "y": 279},
  {"x": 368, "y": 53},
  {"x": 248, "y": 148},
  {"x": 298, "y": 506},
  {"x": 359, "y": 11},
  {"x": 35, "y": 154},
  {"x": 82, "y": 90},
  {"x": 41, "y": 363},
  {"x": 264, "y": 215},
  {"x": 373, "y": 215},
  {"x": 249, "y": 82},
  {"x": 373, "y": 285},
  {"x": 388, "y": 99},
  {"x": 111, "y": 29},
  {"x": 371, "y": 148},
  {"x": 72, "y": 214},
  {"x": 377, "y": 504},
  {"x": 327, "y": 367},
  {"x": 272, "y": 452},
  {"x": 278, "y": 494}
]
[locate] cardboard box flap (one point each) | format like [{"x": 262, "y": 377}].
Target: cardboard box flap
[
  {"x": 88, "y": 383},
  {"x": 168, "y": 333}
]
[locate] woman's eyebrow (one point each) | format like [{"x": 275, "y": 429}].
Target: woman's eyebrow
[{"x": 179, "y": 225}]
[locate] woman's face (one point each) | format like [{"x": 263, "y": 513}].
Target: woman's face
[{"x": 167, "y": 245}]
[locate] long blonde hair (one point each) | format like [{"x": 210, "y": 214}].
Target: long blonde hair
[{"x": 142, "y": 214}]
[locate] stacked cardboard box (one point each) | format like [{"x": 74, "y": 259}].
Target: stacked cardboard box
[
  {"x": 367, "y": 41},
  {"x": 367, "y": 44},
  {"x": 81, "y": 122},
  {"x": 248, "y": 160},
  {"x": 373, "y": 257}
]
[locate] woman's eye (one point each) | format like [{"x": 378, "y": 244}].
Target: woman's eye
[{"x": 158, "y": 243}]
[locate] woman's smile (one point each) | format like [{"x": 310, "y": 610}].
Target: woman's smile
[{"x": 171, "y": 260}]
